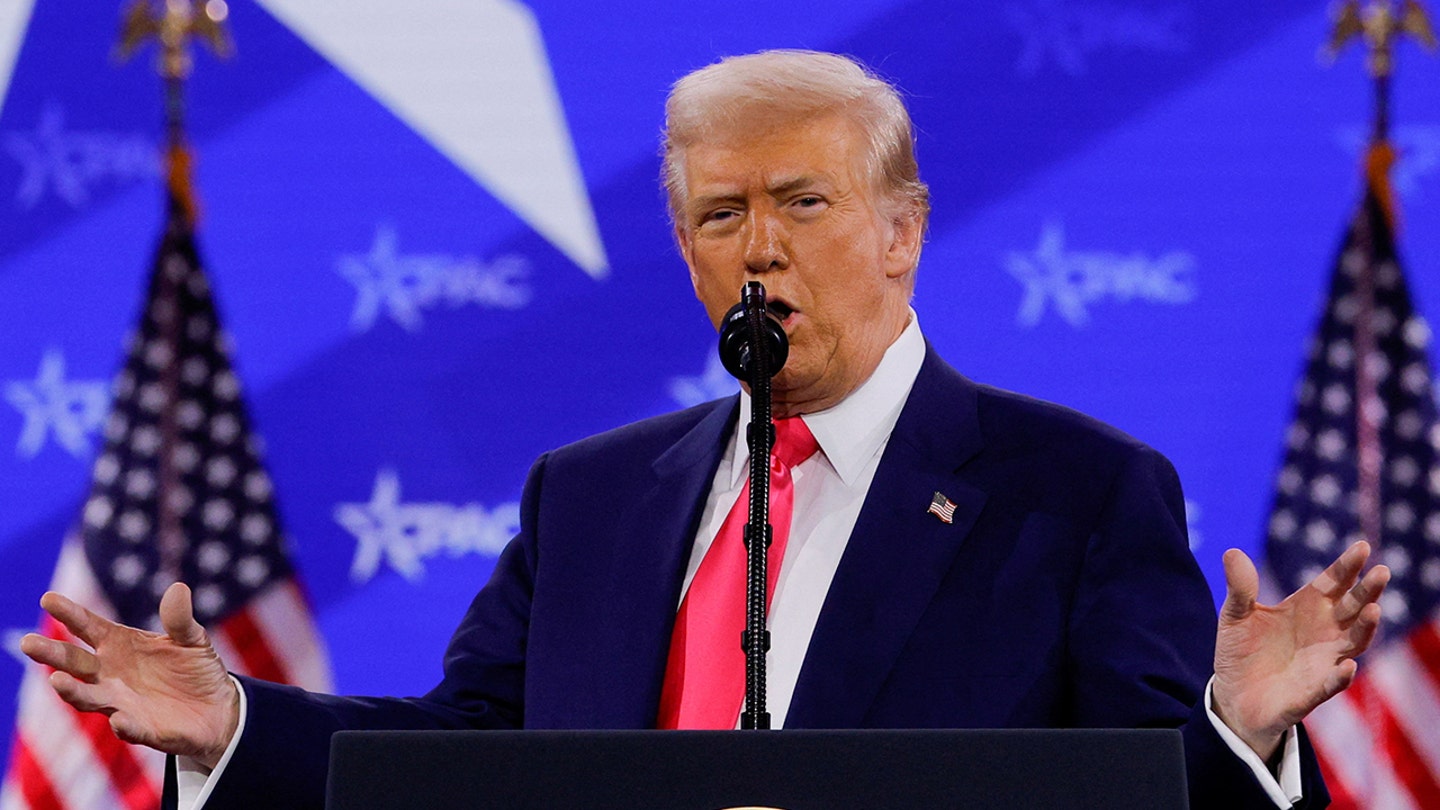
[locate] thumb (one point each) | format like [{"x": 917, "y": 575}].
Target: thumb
[
  {"x": 177, "y": 616},
  {"x": 1242, "y": 586}
]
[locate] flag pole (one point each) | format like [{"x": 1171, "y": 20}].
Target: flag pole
[
  {"x": 174, "y": 24},
  {"x": 1380, "y": 24}
]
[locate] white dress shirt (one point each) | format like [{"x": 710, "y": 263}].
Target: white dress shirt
[{"x": 830, "y": 488}]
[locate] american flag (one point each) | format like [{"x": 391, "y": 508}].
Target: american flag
[
  {"x": 177, "y": 493},
  {"x": 1361, "y": 462},
  {"x": 942, "y": 507}
]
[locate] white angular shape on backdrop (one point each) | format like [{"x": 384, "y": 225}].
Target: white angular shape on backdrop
[
  {"x": 14, "y": 19},
  {"x": 473, "y": 79}
]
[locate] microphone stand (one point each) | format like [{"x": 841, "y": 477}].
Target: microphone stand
[{"x": 760, "y": 435}]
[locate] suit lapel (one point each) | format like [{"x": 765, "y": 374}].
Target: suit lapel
[
  {"x": 897, "y": 554},
  {"x": 653, "y": 541}
]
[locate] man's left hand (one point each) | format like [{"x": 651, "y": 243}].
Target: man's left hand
[{"x": 1274, "y": 664}]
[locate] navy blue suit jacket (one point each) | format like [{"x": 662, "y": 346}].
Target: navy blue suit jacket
[{"x": 1064, "y": 594}]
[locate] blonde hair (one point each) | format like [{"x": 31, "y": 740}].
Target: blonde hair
[{"x": 794, "y": 85}]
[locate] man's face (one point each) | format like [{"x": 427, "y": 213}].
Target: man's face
[{"x": 790, "y": 205}]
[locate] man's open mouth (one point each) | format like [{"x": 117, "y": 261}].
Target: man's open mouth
[{"x": 779, "y": 309}]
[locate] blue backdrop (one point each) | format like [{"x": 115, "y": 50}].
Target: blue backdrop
[{"x": 419, "y": 217}]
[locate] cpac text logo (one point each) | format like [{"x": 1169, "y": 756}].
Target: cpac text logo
[
  {"x": 404, "y": 535},
  {"x": 71, "y": 164},
  {"x": 402, "y": 286},
  {"x": 1070, "y": 34},
  {"x": 1071, "y": 280}
]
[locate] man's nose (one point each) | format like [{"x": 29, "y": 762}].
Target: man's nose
[{"x": 766, "y": 245}]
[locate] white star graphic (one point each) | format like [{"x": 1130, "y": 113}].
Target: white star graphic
[
  {"x": 472, "y": 78},
  {"x": 1046, "y": 272},
  {"x": 382, "y": 278},
  {"x": 1046, "y": 31},
  {"x": 44, "y": 154},
  {"x": 381, "y": 528},
  {"x": 72, "y": 410}
]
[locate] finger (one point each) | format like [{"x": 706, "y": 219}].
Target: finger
[
  {"x": 62, "y": 656},
  {"x": 83, "y": 696},
  {"x": 79, "y": 620},
  {"x": 1363, "y": 631},
  {"x": 177, "y": 616},
  {"x": 1365, "y": 592},
  {"x": 1341, "y": 574},
  {"x": 1339, "y": 678},
  {"x": 1242, "y": 585},
  {"x": 127, "y": 728}
]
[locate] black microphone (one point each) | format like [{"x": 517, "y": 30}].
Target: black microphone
[{"x": 738, "y": 344}]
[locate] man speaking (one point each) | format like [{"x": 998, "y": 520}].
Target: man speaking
[{"x": 1051, "y": 585}]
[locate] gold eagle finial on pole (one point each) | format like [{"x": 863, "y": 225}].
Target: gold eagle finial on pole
[
  {"x": 1380, "y": 24},
  {"x": 174, "y": 23}
]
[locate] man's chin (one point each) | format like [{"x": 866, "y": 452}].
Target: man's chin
[
  {"x": 784, "y": 383},
  {"x": 792, "y": 388}
]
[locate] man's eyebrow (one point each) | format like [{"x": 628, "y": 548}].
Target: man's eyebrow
[
  {"x": 780, "y": 188},
  {"x": 790, "y": 185},
  {"x": 700, "y": 201}
]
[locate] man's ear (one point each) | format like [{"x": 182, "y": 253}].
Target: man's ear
[{"x": 907, "y": 235}]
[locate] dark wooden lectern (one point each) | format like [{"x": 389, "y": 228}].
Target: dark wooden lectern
[{"x": 794, "y": 770}]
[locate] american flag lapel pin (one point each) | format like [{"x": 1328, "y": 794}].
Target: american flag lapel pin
[{"x": 942, "y": 507}]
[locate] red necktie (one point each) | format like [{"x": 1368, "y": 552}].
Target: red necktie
[{"x": 705, "y": 673}]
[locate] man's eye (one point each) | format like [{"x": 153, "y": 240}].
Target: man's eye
[
  {"x": 809, "y": 201},
  {"x": 722, "y": 215}
]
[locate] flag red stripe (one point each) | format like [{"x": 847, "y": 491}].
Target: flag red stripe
[
  {"x": 34, "y": 784},
  {"x": 1340, "y": 798},
  {"x": 245, "y": 636},
  {"x": 50, "y": 628},
  {"x": 1426, "y": 644},
  {"x": 126, "y": 774},
  {"x": 1409, "y": 765}
]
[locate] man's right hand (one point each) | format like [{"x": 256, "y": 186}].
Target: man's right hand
[{"x": 168, "y": 691}]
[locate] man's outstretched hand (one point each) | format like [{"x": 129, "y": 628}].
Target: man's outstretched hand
[
  {"x": 1274, "y": 664},
  {"x": 168, "y": 690}
]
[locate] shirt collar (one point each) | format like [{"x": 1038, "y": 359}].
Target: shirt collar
[{"x": 851, "y": 432}]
